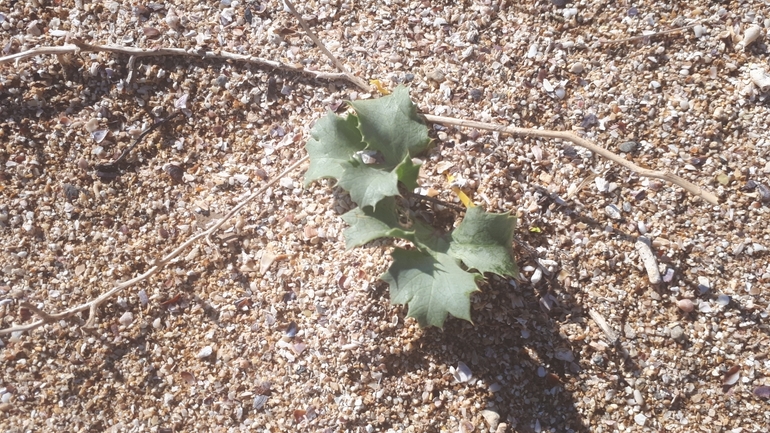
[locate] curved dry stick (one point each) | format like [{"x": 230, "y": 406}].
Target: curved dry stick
[
  {"x": 690, "y": 187},
  {"x": 647, "y": 36},
  {"x": 80, "y": 46},
  {"x": 582, "y": 142},
  {"x": 93, "y": 305},
  {"x": 352, "y": 78}
]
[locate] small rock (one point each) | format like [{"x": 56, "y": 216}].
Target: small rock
[
  {"x": 71, "y": 192},
  {"x": 462, "y": 373},
  {"x": 577, "y": 68},
  {"x": 436, "y": 75},
  {"x": 649, "y": 261},
  {"x": 491, "y": 417},
  {"x": 601, "y": 184},
  {"x": 286, "y": 182},
  {"x": 92, "y": 125},
  {"x": 638, "y": 398},
  {"x": 723, "y": 300},
  {"x": 640, "y": 419},
  {"x": 205, "y": 352},
  {"x": 628, "y": 146},
  {"x": 221, "y": 81},
  {"x": 677, "y": 334},
  {"x": 259, "y": 401},
  {"x": 705, "y": 307},
  {"x": 685, "y": 305},
  {"x": 564, "y": 355},
  {"x": 699, "y": 30},
  {"x": 613, "y": 212},
  {"x": 589, "y": 121},
  {"x": 764, "y": 193},
  {"x": 704, "y": 285},
  {"x": 126, "y": 319},
  {"x": 536, "y": 276}
]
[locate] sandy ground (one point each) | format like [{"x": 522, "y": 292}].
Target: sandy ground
[{"x": 273, "y": 326}]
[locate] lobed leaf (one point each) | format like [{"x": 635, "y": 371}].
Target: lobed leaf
[
  {"x": 432, "y": 284},
  {"x": 483, "y": 241},
  {"x": 391, "y": 125},
  {"x": 368, "y": 224},
  {"x": 369, "y": 153},
  {"x": 334, "y": 140},
  {"x": 387, "y": 126}
]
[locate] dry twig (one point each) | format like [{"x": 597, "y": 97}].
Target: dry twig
[
  {"x": 582, "y": 142},
  {"x": 647, "y": 36},
  {"x": 93, "y": 305},
  {"x": 79, "y": 46},
  {"x": 353, "y": 79},
  {"x": 134, "y": 53},
  {"x": 690, "y": 187}
]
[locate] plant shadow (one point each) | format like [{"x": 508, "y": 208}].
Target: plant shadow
[{"x": 521, "y": 364}]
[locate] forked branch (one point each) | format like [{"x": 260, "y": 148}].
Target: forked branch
[{"x": 78, "y": 46}]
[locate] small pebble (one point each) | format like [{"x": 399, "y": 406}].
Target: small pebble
[
  {"x": 685, "y": 305},
  {"x": 436, "y": 75},
  {"x": 677, "y": 334},
  {"x": 491, "y": 417},
  {"x": 577, "y": 68},
  {"x": 221, "y": 81},
  {"x": 71, "y": 192},
  {"x": 669, "y": 276},
  {"x": 143, "y": 298},
  {"x": 649, "y": 261},
  {"x": 764, "y": 193},
  {"x": 723, "y": 300},
  {"x": 628, "y": 146},
  {"x": 564, "y": 355},
  {"x": 92, "y": 125},
  {"x": 589, "y": 121},
  {"x": 699, "y": 30},
  {"x": 536, "y": 276},
  {"x": 613, "y": 212},
  {"x": 704, "y": 285},
  {"x": 640, "y": 419},
  {"x": 205, "y": 352},
  {"x": 463, "y": 373},
  {"x": 126, "y": 319}
]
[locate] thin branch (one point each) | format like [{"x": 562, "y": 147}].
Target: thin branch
[
  {"x": 647, "y": 36},
  {"x": 690, "y": 187},
  {"x": 582, "y": 142},
  {"x": 80, "y": 46},
  {"x": 353, "y": 79},
  {"x": 93, "y": 305},
  {"x": 111, "y": 169}
]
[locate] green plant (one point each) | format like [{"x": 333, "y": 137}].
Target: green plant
[{"x": 369, "y": 153}]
